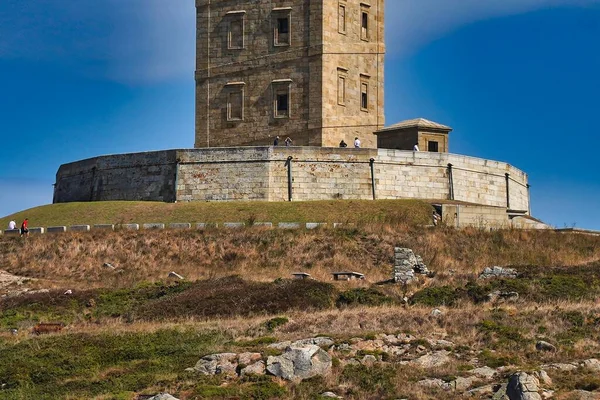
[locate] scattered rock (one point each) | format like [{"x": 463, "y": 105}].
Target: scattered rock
[
  {"x": 434, "y": 383},
  {"x": 420, "y": 267},
  {"x": 481, "y": 392},
  {"x": 433, "y": 360},
  {"x": 461, "y": 384},
  {"x": 561, "y": 366},
  {"x": 544, "y": 346},
  {"x": 484, "y": 372},
  {"x": 436, "y": 313},
  {"x": 368, "y": 360},
  {"x": 331, "y": 395},
  {"x": 258, "y": 368},
  {"x": 300, "y": 362},
  {"x": 175, "y": 275},
  {"x": 547, "y": 394},
  {"x": 543, "y": 377},
  {"x": 108, "y": 265},
  {"x": 318, "y": 341},
  {"x": 163, "y": 396},
  {"x": 522, "y": 386},
  {"x": 216, "y": 364},
  {"x": 499, "y": 297},
  {"x": 498, "y": 272},
  {"x": 592, "y": 364},
  {"x": 68, "y": 292},
  {"x": 14, "y": 331}
]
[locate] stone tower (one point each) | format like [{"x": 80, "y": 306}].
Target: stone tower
[{"x": 308, "y": 69}]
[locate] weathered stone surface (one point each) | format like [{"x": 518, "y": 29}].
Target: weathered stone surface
[
  {"x": 163, "y": 396},
  {"x": 180, "y": 225},
  {"x": 315, "y": 225},
  {"x": 216, "y": 363},
  {"x": 561, "y": 366},
  {"x": 484, "y": 372},
  {"x": 499, "y": 296},
  {"x": 300, "y": 362},
  {"x": 79, "y": 228},
  {"x": 434, "y": 383},
  {"x": 249, "y": 358},
  {"x": 289, "y": 225},
  {"x": 175, "y": 275},
  {"x": 130, "y": 227},
  {"x": 331, "y": 395},
  {"x": 369, "y": 360},
  {"x": 318, "y": 341},
  {"x": 543, "y": 377},
  {"x": 56, "y": 229},
  {"x": 233, "y": 225},
  {"x": 481, "y": 392},
  {"x": 522, "y": 386},
  {"x": 154, "y": 226},
  {"x": 104, "y": 227},
  {"x": 544, "y": 346},
  {"x": 592, "y": 364},
  {"x": 498, "y": 272},
  {"x": 257, "y": 368},
  {"x": 433, "y": 360}
]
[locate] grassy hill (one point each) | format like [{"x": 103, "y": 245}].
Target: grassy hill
[
  {"x": 116, "y": 212},
  {"x": 132, "y": 331}
]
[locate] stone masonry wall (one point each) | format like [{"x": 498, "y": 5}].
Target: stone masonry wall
[
  {"x": 261, "y": 173},
  {"x": 139, "y": 176}
]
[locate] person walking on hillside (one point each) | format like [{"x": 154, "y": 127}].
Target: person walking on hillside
[
  {"x": 343, "y": 144},
  {"x": 24, "y": 229},
  {"x": 288, "y": 141},
  {"x": 12, "y": 225},
  {"x": 276, "y": 141},
  {"x": 356, "y": 143}
]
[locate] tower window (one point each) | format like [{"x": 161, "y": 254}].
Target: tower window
[
  {"x": 235, "y": 101},
  {"x": 235, "y": 34},
  {"x": 432, "y": 146},
  {"x": 364, "y": 96},
  {"x": 282, "y": 29},
  {"x": 364, "y": 23},
  {"x": 342, "y": 75},
  {"x": 342, "y": 18},
  {"x": 281, "y": 98}
]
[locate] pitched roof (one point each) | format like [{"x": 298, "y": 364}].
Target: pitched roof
[{"x": 418, "y": 123}]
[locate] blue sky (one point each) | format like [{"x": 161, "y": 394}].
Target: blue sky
[{"x": 518, "y": 80}]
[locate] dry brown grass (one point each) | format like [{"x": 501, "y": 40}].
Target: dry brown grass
[{"x": 263, "y": 255}]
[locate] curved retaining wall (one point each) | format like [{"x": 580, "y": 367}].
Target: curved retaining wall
[{"x": 262, "y": 173}]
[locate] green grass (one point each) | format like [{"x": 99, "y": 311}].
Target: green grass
[{"x": 115, "y": 212}]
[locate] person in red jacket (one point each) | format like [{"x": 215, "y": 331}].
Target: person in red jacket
[{"x": 24, "y": 229}]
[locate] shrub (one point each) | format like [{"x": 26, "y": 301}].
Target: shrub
[
  {"x": 274, "y": 323},
  {"x": 362, "y": 296},
  {"x": 435, "y": 296}
]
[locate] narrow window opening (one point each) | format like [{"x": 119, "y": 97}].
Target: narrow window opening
[
  {"x": 342, "y": 19},
  {"x": 364, "y": 31},
  {"x": 235, "y": 105},
  {"x": 236, "y": 33},
  {"x": 364, "y": 96},
  {"x": 282, "y": 31},
  {"x": 432, "y": 146}
]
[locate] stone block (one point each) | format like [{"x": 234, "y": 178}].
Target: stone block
[
  {"x": 180, "y": 225},
  {"x": 315, "y": 225},
  {"x": 104, "y": 227},
  {"x": 36, "y": 230},
  {"x": 56, "y": 229},
  {"x": 12, "y": 232},
  {"x": 79, "y": 228},
  {"x": 233, "y": 225},
  {"x": 206, "y": 225},
  {"x": 263, "y": 224},
  {"x": 130, "y": 227},
  {"x": 288, "y": 225},
  {"x": 153, "y": 226}
]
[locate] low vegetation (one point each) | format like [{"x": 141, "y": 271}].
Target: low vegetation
[{"x": 130, "y": 330}]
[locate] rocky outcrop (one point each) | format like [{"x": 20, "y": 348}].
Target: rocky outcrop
[
  {"x": 300, "y": 362},
  {"x": 406, "y": 265},
  {"x": 498, "y": 272},
  {"x": 433, "y": 360},
  {"x": 318, "y": 341},
  {"x": 230, "y": 364},
  {"x": 522, "y": 386},
  {"x": 544, "y": 346}
]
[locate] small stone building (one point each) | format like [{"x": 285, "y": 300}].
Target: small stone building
[
  {"x": 429, "y": 135},
  {"x": 310, "y": 70}
]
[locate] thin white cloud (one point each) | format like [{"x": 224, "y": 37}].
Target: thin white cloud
[{"x": 414, "y": 23}]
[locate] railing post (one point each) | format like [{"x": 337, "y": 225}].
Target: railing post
[
  {"x": 450, "y": 182},
  {"x": 507, "y": 175},
  {"x": 289, "y": 171},
  {"x": 372, "y": 163}
]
